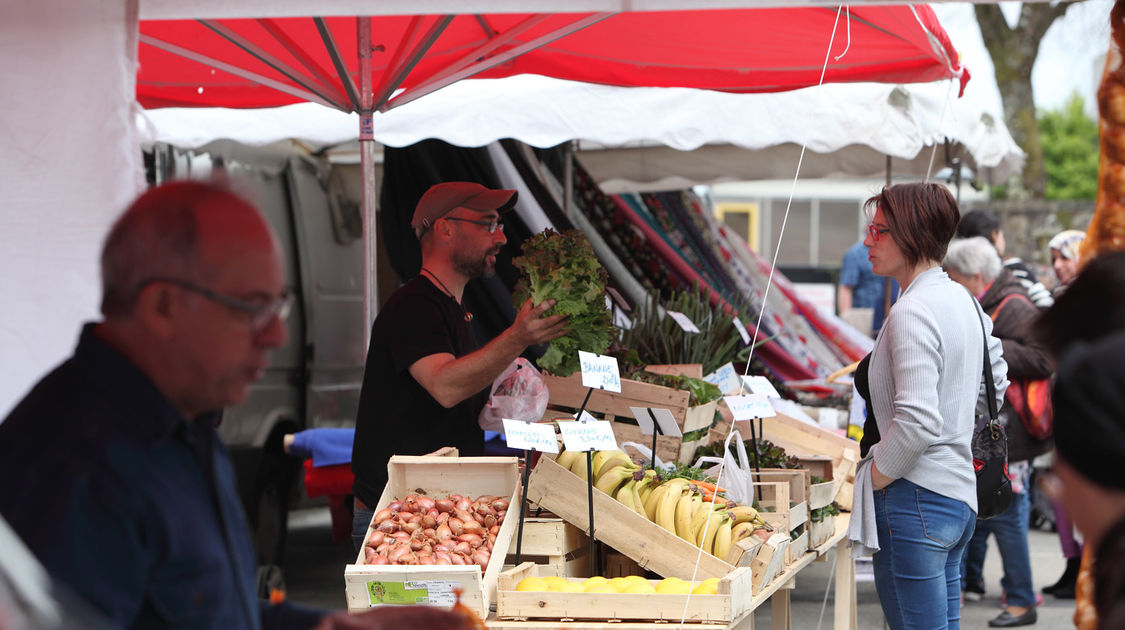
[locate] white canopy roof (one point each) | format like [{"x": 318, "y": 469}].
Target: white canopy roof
[{"x": 850, "y": 127}]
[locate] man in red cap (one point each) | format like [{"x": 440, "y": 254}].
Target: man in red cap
[{"x": 426, "y": 381}]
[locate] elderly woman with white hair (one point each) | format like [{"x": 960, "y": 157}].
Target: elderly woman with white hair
[{"x": 974, "y": 263}]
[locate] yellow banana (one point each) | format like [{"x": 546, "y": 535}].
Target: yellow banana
[
  {"x": 707, "y": 543},
  {"x": 741, "y": 530},
  {"x": 742, "y": 514},
  {"x": 669, "y": 499},
  {"x": 645, "y": 487},
  {"x": 708, "y": 512},
  {"x": 723, "y": 540},
  {"x": 566, "y": 458},
  {"x": 578, "y": 467},
  {"x": 624, "y": 494},
  {"x": 612, "y": 480},
  {"x": 638, "y": 505},
  {"x": 685, "y": 513},
  {"x": 653, "y": 500},
  {"x": 603, "y": 460},
  {"x": 616, "y": 465}
]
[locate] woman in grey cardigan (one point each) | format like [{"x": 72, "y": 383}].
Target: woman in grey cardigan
[{"x": 924, "y": 379}]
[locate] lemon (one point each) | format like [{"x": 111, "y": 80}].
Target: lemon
[
  {"x": 599, "y": 588},
  {"x": 635, "y": 579},
  {"x": 572, "y": 587},
  {"x": 710, "y": 586},
  {"x": 555, "y": 583},
  {"x": 533, "y": 584},
  {"x": 597, "y": 579},
  {"x": 673, "y": 586},
  {"x": 639, "y": 587},
  {"x": 618, "y": 583}
]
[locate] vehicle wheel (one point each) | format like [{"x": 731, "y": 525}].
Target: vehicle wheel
[{"x": 268, "y": 511}]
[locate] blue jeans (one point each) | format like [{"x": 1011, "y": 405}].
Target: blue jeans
[
  {"x": 1010, "y": 530},
  {"x": 361, "y": 520},
  {"x": 922, "y": 536}
]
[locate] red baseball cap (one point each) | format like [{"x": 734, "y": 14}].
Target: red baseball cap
[{"x": 441, "y": 198}]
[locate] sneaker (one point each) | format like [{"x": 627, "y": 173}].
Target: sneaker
[{"x": 974, "y": 592}]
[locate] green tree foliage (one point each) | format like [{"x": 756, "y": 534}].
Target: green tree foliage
[{"x": 1070, "y": 151}]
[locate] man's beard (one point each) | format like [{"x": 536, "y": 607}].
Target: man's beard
[{"x": 475, "y": 266}]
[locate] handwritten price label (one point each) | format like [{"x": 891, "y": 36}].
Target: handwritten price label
[
  {"x": 761, "y": 385},
  {"x": 726, "y": 379},
  {"x": 530, "y": 436},
  {"x": 595, "y": 435},
  {"x": 684, "y": 321},
  {"x": 600, "y": 372},
  {"x": 749, "y": 406},
  {"x": 745, "y": 334}
]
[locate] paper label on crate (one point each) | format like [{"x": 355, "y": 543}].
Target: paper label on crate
[
  {"x": 749, "y": 406},
  {"x": 684, "y": 321},
  {"x": 741, "y": 328},
  {"x": 596, "y": 435},
  {"x": 599, "y": 371},
  {"x": 760, "y": 385},
  {"x": 726, "y": 379},
  {"x": 433, "y": 592},
  {"x": 530, "y": 436},
  {"x": 664, "y": 419}
]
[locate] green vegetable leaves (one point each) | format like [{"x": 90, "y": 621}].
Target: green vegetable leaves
[{"x": 563, "y": 267}]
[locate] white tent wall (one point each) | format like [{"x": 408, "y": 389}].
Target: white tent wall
[{"x": 70, "y": 163}]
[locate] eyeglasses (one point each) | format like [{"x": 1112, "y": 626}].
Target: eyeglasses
[
  {"x": 260, "y": 314},
  {"x": 874, "y": 231},
  {"x": 491, "y": 225}
]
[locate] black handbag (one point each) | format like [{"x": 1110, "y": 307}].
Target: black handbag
[{"x": 990, "y": 452}]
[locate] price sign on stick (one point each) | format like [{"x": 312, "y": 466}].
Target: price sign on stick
[
  {"x": 599, "y": 372},
  {"x": 663, "y": 417},
  {"x": 530, "y": 436},
  {"x": 745, "y": 334},
  {"x": 593, "y": 435},
  {"x": 749, "y": 406},
  {"x": 760, "y": 385},
  {"x": 725, "y": 378},
  {"x": 684, "y": 321}
]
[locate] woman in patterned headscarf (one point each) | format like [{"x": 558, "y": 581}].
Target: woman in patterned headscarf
[{"x": 1064, "y": 256}]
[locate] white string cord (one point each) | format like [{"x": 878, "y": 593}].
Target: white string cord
[
  {"x": 769, "y": 281},
  {"x": 941, "y": 122}
]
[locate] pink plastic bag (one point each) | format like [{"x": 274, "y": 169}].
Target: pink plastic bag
[{"x": 519, "y": 393}]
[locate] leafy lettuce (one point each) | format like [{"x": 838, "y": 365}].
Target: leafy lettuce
[{"x": 563, "y": 267}]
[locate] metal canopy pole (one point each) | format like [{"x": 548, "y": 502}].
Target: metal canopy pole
[{"x": 367, "y": 165}]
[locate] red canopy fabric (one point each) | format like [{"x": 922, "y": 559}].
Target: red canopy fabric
[{"x": 245, "y": 63}]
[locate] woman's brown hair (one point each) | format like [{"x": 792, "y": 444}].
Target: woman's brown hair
[{"x": 922, "y": 218}]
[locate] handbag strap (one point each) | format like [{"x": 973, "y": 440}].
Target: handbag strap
[{"x": 986, "y": 373}]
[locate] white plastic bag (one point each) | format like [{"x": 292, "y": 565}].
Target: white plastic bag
[
  {"x": 519, "y": 393},
  {"x": 737, "y": 477},
  {"x": 646, "y": 453}
]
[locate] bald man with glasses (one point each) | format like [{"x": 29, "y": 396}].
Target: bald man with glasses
[{"x": 114, "y": 474}]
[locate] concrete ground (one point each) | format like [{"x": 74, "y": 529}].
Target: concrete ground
[{"x": 314, "y": 574}]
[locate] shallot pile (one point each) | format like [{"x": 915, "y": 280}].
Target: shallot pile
[{"x": 418, "y": 529}]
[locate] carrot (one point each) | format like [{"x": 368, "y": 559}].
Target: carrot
[{"x": 708, "y": 486}]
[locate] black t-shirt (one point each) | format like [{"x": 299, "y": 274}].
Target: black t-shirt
[{"x": 397, "y": 416}]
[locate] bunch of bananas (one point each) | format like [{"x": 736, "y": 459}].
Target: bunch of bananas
[{"x": 675, "y": 504}]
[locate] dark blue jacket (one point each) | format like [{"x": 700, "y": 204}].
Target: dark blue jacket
[{"x": 128, "y": 503}]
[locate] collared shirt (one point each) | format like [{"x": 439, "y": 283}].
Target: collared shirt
[{"x": 127, "y": 502}]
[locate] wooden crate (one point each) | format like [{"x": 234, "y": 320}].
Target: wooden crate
[
  {"x": 769, "y": 561},
  {"x": 558, "y": 547},
  {"x": 557, "y": 489},
  {"x": 802, "y": 439},
  {"x": 668, "y": 449},
  {"x": 731, "y": 601},
  {"x": 820, "y": 531},
  {"x": 370, "y": 585}
]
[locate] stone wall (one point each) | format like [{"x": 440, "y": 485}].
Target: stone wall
[{"x": 1028, "y": 225}]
